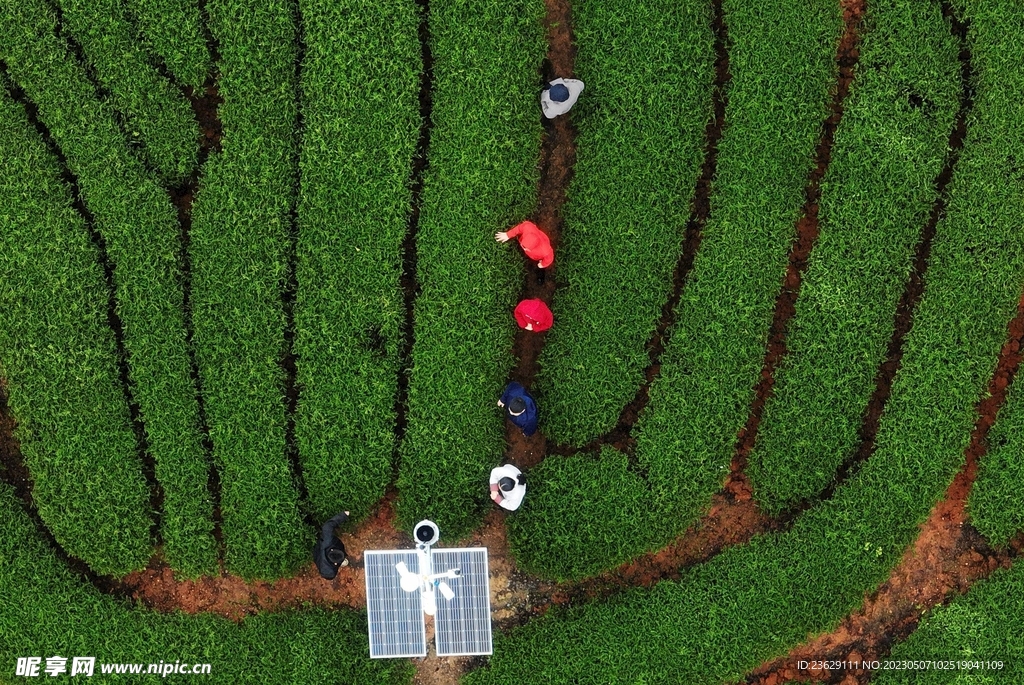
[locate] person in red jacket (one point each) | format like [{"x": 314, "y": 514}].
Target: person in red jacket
[
  {"x": 533, "y": 315},
  {"x": 534, "y": 242}
]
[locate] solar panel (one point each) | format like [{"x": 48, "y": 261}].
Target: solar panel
[
  {"x": 463, "y": 624},
  {"x": 395, "y": 616}
]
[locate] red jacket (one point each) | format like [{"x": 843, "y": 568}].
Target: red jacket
[
  {"x": 535, "y": 312},
  {"x": 534, "y": 242}
]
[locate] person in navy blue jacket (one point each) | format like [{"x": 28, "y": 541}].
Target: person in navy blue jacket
[{"x": 519, "y": 408}]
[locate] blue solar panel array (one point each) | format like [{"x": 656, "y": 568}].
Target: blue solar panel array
[{"x": 395, "y": 616}]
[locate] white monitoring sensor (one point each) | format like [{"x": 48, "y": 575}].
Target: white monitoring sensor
[{"x": 402, "y": 587}]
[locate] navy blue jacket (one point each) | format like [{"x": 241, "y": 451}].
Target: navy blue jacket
[{"x": 527, "y": 421}]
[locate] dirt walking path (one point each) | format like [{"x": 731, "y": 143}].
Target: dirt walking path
[{"x": 557, "y": 158}]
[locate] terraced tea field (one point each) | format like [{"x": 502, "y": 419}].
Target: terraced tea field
[{"x": 248, "y": 279}]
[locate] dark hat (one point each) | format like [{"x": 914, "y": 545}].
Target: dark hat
[
  {"x": 558, "y": 93},
  {"x": 517, "y": 405},
  {"x": 336, "y": 555},
  {"x": 506, "y": 484}
]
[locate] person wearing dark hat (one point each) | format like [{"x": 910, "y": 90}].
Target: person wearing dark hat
[
  {"x": 508, "y": 487},
  {"x": 519, "y": 408},
  {"x": 329, "y": 551},
  {"x": 559, "y": 96}
]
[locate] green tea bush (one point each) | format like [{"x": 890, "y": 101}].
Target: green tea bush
[
  {"x": 173, "y": 29},
  {"x": 648, "y": 69},
  {"x": 238, "y": 246},
  {"x": 875, "y": 199},
  {"x": 58, "y": 356},
  {"x": 782, "y": 69},
  {"x": 139, "y": 226},
  {"x": 46, "y": 611},
  {"x": 157, "y": 118},
  {"x": 754, "y": 602},
  {"x": 481, "y": 178},
  {"x": 983, "y": 625},
  {"x": 996, "y": 505},
  {"x": 360, "y": 129}
]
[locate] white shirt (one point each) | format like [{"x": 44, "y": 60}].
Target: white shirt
[
  {"x": 551, "y": 108},
  {"x": 512, "y": 499}
]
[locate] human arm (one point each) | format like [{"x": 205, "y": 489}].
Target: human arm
[{"x": 327, "y": 532}]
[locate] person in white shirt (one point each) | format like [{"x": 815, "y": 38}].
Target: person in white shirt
[
  {"x": 560, "y": 95},
  {"x": 508, "y": 486}
]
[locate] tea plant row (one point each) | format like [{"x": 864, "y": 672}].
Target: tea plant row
[
  {"x": 239, "y": 248},
  {"x": 996, "y": 505},
  {"x": 639, "y": 148},
  {"x": 134, "y": 217},
  {"x": 781, "y": 71},
  {"x": 361, "y": 125},
  {"x": 157, "y": 119},
  {"x": 481, "y": 178},
  {"x": 173, "y": 29},
  {"x": 60, "y": 360},
  {"x": 754, "y": 602},
  {"x": 875, "y": 201},
  {"x": 48, "y": 611}
]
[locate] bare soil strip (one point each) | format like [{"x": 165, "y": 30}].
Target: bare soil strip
[
  {"x": 408, "y": 280},
  {"x": 557, "y": 158},
  {"x": 947, "y": 557},
  {"x": 156, "y": 493}
]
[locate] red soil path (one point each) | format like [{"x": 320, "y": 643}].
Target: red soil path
[{"x": 558, "y": 155}]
